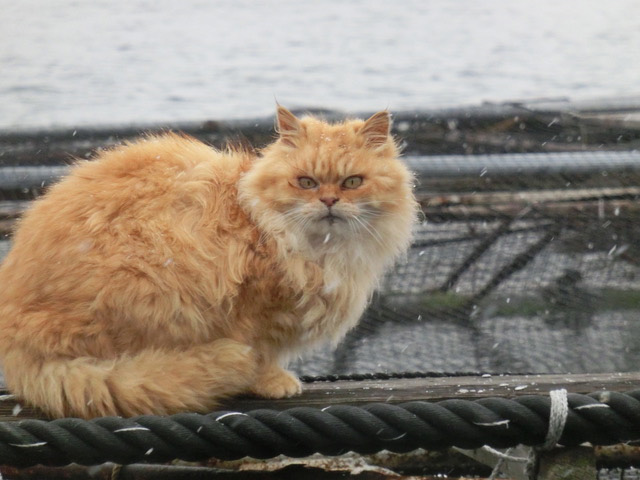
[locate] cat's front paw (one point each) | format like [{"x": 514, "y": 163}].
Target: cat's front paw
[{"x": 277, "y": 383}]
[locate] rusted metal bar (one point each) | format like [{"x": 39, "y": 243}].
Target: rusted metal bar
[
  {"x": 535, "y": 197},
  {"x": 178, "y": 472},
  {"x": 418, "y": 464},
  {"x": 551, "y": 210}
]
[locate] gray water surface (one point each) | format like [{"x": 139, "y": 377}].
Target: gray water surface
[{"x": 71, "y": 63}]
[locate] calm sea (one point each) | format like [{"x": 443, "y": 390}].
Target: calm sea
[{"x": 75, "y": 62}]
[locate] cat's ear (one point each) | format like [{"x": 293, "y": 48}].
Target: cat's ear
[
  {"x": 287, "y": 126},
  {"x": 376, "y": 129}
]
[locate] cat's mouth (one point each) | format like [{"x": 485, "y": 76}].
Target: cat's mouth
[{"x": 331, "y": 218}]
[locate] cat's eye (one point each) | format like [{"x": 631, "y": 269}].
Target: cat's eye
[
  {"x": 352, "y": 182},
  {"x": 307, "y": 182}
]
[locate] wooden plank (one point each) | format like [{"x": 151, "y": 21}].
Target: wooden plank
[{"x": 323, "y": 394}]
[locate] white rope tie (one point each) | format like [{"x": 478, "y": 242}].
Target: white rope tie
[
  {"x": 506, "y": 455},
  {"x": 558, "y": 413},
  {"x": 501, "y": 459},
  {"x": 557, "y": 418}
]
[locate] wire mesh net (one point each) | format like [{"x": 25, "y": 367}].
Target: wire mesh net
[
  {"x": 521, "y": 263},
  {"x": 530, "y": 268}
]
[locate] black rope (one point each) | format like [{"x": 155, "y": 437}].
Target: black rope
[
  {"x": 600, "y": 418},
  {"x": 358, "y": 377}
]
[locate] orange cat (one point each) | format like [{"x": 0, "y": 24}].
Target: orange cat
[{"x": 164, "y": 274}]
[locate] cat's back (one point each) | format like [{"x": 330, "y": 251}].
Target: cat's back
[
  {"x": 161, "y": 166},
  {"x": 135, "y": 207},
  {"x": 142, "y": 181}
]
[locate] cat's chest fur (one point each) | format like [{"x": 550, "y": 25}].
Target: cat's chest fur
[
  {"x": 328, "y": 306},
  {"x": 346, "y": 294}
]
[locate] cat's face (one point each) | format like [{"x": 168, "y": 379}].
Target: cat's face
[{"x": 330, "y": 182}]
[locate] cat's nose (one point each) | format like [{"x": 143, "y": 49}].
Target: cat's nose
[{"x": 329, "y": 201}]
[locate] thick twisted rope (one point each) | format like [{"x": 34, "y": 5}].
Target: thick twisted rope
[{"x": 600, "y": 418}]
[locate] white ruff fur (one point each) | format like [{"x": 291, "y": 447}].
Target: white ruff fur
[
  {"x": 338, "y": 205},
  {"x": 353, "y": 257}
]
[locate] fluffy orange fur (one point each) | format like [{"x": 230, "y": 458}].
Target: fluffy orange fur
[{"x": 164, "y": 275}]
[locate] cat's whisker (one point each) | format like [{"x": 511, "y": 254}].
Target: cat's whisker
[
  {"x": 370, "y": 214},
  {"x": 292, "y": 213},
  {"x": 302, "y": 221},
  {"x": 370, "y": 230},
  {"x": 295, "y": 215},
  {"x": 376, "y": 204},
  {"x": 372, "y": 207},
  {"x": 353, "y": 226}
]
